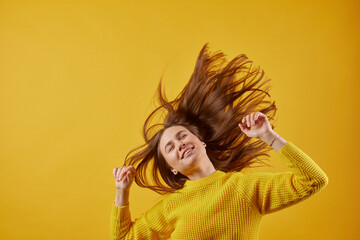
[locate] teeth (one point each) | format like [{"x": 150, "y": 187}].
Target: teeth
[{"x": 186, "y": 153}]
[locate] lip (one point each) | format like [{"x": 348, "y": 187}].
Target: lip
[{"x": 189, "y": 148}]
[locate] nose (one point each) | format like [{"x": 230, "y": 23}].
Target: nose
[{"x": 181, "y": 145}]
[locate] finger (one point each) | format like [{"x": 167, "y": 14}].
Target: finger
[
  {"x": 128, "y": 176},
  {"x": 252, "y": 121},
  {"x": 119, "y": 172},
  {"x": 122, "y": 174},
  {"x": 243, "y": 120},
  {"x": 133, "y": 170},
  {"x": 125, "y": 177},
  {"x": 242, "y": 127},
  {"x": 114, "y": 171},
  {"x": 262, "y": 115},
  {"x": 247, "y": 120},
  {"x": 128, "y": 169},
  {"x": 257, "y": 115}
]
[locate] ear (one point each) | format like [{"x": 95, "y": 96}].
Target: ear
[{"x": 174, "y": 171}]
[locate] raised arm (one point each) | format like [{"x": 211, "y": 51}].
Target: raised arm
[
  {"x": 151, "y": 225},
  {"x": 271, "y": 192}
]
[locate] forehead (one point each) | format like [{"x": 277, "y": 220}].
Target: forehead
[{"x": 170, "y": 133}]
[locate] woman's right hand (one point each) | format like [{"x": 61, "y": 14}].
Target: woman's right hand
[{"x": 124, "y": 176}]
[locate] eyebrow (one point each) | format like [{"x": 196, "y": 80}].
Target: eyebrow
[{"x": 177, "y": 136}]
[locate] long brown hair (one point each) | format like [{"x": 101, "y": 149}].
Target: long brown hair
[{"x": 211, "y": 105}]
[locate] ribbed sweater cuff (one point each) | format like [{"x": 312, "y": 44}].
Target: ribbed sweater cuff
[{"x": 121, "y": 220}]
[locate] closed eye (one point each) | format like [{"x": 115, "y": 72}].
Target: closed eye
[{"x": 180, "y": 138}]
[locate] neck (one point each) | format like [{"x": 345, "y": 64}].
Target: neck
[{"x": 201, "y": 172}]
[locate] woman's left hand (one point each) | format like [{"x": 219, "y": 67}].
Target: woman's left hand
[{"x": 257, "y": 124}]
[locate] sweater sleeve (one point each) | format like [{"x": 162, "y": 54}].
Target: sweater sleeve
[
  {"x": 270, "y": 192},
  {"x": 150, "y": 225}
]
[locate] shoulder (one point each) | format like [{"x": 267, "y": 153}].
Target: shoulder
[
  {"x": 248, "y": 180},
  {"x": 172, "y": 196},
  {"x": 232, "y": 178},
  {"x": 234, "y": 175}
]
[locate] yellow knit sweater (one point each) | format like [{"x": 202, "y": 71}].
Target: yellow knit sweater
[{"x": 223, "y": 205}]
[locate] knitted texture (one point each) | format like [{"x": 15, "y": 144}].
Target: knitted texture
[{"x": 223, "y": 205}]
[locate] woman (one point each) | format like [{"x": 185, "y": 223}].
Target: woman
[{"x": 217, "y": 126}]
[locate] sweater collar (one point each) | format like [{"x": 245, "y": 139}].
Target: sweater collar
[{"x": 205, "y": 180}]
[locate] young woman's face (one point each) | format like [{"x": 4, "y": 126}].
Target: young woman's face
[{"x": 174, "y": 145}]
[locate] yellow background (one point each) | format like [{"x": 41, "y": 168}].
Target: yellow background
[{"x": 77, "y": 79}]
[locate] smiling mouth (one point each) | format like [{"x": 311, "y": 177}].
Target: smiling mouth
[{"x": 187, "y": 152}]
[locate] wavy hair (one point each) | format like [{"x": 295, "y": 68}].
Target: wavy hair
[{"x": 211, "y": 105}]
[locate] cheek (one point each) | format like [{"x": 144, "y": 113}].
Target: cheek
[
  {"x": 172, "y": 157},
  {"x": 197, "y": 142},
  {"x": 168, "y": 158}
]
